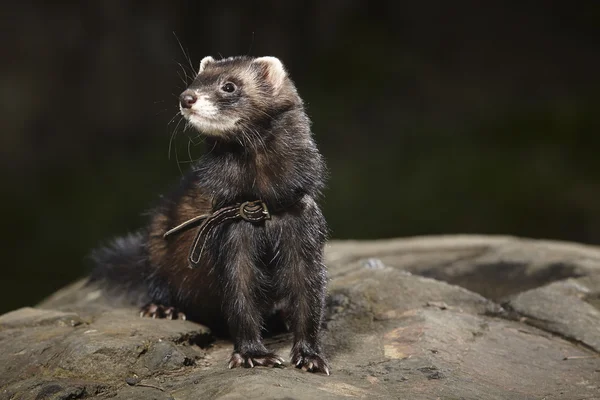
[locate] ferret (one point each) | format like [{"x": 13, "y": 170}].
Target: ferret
[{"x": 242, "y": 236}]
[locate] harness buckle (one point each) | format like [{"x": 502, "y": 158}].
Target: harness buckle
[{"x": 249, "y": 210}]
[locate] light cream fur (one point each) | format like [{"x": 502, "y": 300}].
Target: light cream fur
[
  {"x": 205, "y": 61},
  {"x": 205, "y": 117},
  {"x": 276, "y": 73}
]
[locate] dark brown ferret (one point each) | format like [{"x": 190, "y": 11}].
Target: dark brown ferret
[{"x": 240, "y": 262}]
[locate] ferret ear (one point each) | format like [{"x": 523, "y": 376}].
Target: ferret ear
[
  {"x": 205, "y": 61},
  {"x": 275, "y": 72}
]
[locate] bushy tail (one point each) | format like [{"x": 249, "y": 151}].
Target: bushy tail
[{"x": 122, "y": 269}]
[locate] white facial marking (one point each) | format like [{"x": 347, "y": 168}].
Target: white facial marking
[
  {"x": 212, "y": 127},
  {"x": 205, "y": 117},
  {"x": 204, "y": 107}
]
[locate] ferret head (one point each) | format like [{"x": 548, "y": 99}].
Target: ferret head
[{"x": 236, "y": 94}]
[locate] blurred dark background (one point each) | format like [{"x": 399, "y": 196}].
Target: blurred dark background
[{"x": 435, "y": 117}]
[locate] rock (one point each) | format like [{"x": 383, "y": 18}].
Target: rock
[
  {"x": 148, "y": 393},
  {"x": 35, "y": 317},
  {"x": 570, "y": 316},
  {"x": 453, "y": 317}
]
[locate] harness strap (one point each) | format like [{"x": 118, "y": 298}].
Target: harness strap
[{"x": 252, "y": 211}]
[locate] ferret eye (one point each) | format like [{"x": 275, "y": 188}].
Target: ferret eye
[{"x": 228, "y": 87}]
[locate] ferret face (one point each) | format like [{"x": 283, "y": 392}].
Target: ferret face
[{"x": 234, "y": 94}]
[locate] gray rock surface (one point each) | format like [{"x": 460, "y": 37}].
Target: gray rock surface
[{"x": 452, "y": 317}]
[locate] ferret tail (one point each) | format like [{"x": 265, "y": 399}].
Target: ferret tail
[{"x": 121, "y": 268}]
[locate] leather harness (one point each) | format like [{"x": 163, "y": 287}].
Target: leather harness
[{"x": 252, "y": 211}]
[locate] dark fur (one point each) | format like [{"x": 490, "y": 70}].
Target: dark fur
[{"x": 247, "y": 270}]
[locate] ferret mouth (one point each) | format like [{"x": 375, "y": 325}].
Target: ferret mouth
[
  {"x": 207, "y": 125},
  {"x": 189, "y": 114},
  {"x": 196, "y": 118}
]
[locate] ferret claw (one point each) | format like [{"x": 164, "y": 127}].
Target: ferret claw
[
  {"x": 159, "y": 311},
  {"x": 251, "y": 361},
  {"x": 310, "y": 363},
  {"x": 308, "y": 367}
]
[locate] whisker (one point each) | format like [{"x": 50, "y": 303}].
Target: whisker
[
  {"x": 186, "y": 55},
  {"x": 189, "y": 149},
  {"x": 265, "y": 113},
  {"x": 186, "y": 77},
  {"x": 177, "y": 114},
  {"x": 188, "y": 161},
  {"x": 247, "y": 137},
  {"x": 183, "y": 78},
  {"x": 177, "y": 161},
  {"x": 251, "y": 44},
  {"x": 198, "y": 137},
  {"x": 214, "y": 146},
  {"x": 261, "y": 141},
  {"x": 173, "y": 137}
]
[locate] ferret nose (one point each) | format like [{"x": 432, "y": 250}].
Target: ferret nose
[{"x": 187, "y": 99}]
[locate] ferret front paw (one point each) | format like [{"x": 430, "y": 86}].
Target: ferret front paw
[
  {"x": 309, "y": 362},
  {"x": 252, "y": 360},
  {"x": 159, "y": 311}
]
